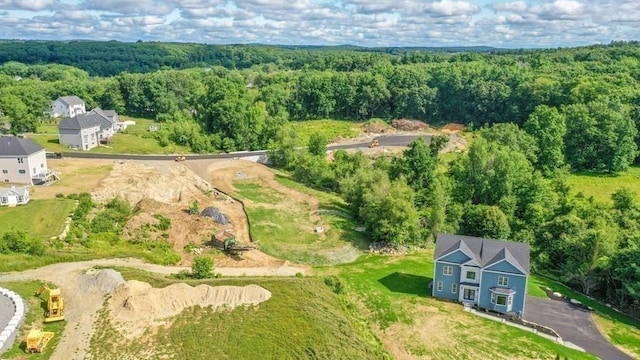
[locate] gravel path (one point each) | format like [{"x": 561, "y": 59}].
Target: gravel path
[{"x": 81, "y": 307}]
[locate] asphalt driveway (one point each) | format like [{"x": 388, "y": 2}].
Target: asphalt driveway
[{"x": 573, "y": 324}]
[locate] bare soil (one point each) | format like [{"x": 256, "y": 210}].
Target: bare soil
[{"x": 76, "y": 176}]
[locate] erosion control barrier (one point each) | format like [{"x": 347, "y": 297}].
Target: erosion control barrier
[{"x": 15, "y": 313}]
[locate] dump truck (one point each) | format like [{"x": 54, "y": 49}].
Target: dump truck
[
  {"x": 374, "y": 143},
  {"x": 55, "y": 304},
  {"x": 37, "y": 341}
]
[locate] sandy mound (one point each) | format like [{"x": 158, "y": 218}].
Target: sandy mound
[
  {"x": 103, "y": 281},
  {"x": 136, "y": 305},
  {"x": 408, "y": 125}
]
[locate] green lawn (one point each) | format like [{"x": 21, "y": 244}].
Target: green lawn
[
  {"x": 285, "y": 228},
  {"x": 601, "y": 186},
  {"x": 34, "y": 319},
  {"x": 393, "y": 291},
  {"x": 302, "y": 320},
  {"x": 621, "y": 329},
  {"x": 331, "y": 129},
  {"x": 41, "y": 219}
]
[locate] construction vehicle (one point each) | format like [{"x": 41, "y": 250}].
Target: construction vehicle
[
  {"x": 374, "y": 143},
  {"x": 225, "y": 241},
  {"x": 37, "y": 341},
  {"x": 55, "y": 304},
  {"x": 181, "y": 158}
]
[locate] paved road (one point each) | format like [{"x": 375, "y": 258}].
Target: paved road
[
  {"x": 386, "y": 140},
  {"x": 574, "y": 325}
]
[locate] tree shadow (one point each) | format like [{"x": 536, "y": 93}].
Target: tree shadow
[{"x": 406, "y": 283}]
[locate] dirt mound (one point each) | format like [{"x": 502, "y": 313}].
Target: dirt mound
[
  {"x": 453, "y": 127},
  {"x": 376, "y": 127},
  {"x": 136, "y": 305},
  {"x": 216, "y": 215},
  {"x": 103, "y": 281},
  {"x": 408, "y": 125}
]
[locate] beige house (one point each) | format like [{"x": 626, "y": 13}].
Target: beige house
[
  {"x": 14, "y": 196},
  {"x": 22, "y": 161}
]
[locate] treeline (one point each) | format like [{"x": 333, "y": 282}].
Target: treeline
[
  {"x": 493, "y": 190},
  {"x": 586, "y": 101}
]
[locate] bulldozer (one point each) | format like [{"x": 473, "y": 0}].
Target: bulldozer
[
  {"x": 374, "y": 143},
  {"x": 37, "y": 341},
  {"x": 181, "y": 158},
  {"x": 55, "y": 304}
]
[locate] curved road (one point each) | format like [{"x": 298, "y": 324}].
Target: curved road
[{"x": 386, "y": 140}]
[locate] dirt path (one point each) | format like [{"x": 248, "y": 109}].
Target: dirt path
[{"x": 82, "y": 307}]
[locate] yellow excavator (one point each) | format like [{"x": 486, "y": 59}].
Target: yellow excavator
[
  {"x": 55, "y": 304},
  {"x": 374, "y": 143},
  {"x": 37, "y": 341}
]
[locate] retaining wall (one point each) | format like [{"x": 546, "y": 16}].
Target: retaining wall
[{"x": 16, "y": 317}]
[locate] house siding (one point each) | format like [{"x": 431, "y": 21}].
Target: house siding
[
  {"x": 75, "y": 138},
  {"x": 516, "y": 283},
  {"x": 446, "y": 281},
  {"x": 58, "y": 109},
  {"x": 457, "y": 257},
  {"x": 504, "y": 266},
  {"x": 13, "y": 167}
]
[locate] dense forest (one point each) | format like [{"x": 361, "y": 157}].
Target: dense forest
[{"x": 537, "y": 115}]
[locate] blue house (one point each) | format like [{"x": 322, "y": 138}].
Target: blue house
[{"x": 491, "y": 274}]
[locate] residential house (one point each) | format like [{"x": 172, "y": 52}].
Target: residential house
[
  {"x": 22, "y": 161},
  {"x": 80, "y": 132},
  {"x": 67, "y": 106},
  {"x": 491, "y": 274},
  {"x": 13, "y": 196},
  {"x": 108, "y": 120}
]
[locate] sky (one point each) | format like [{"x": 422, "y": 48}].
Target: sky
[{"x": 510, "y": 24}]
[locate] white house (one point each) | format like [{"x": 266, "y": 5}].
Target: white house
[
  {"x": 22, "y": 161},
  {"x": 67, "y": 106},
  {"x": 81, "y": 132},
  {"x": 14, "y": 196}
]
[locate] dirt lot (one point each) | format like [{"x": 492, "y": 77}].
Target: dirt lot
[{"x": 77, "y": 175}]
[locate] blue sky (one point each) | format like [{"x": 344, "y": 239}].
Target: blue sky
[{"x": 511, "y": 24}]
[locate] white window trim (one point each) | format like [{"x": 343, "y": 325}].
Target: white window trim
[
  {"x": 454, "y": 288},
  {"x": 506, "y": 299},
  {"x": 447, "y": 270},
  {"x": 439, "y": 286},
  {"x": 503, "y": 280},
  {"x": 493, "y": 297},
  {"x": 510, "y": 300},
  {"x": 467, "y": 275}
]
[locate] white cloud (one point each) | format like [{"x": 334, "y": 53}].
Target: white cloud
[
  {"x": 31, "y": 5},
  {"x": 451, "y": 8}
]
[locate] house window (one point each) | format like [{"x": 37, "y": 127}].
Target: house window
[
  {"x": 447, "y": 270},
  {"x": 454, "y": 288},
  {"x": 510, "y": 301},
  {"x": 471, "y": 275},
  {"x": 493, "y": 298},
  {"x": 503, "y": 281},
  {"x": 20, "y": 160},
  {"x": 439, "y": 286},
  {"x": 5, "y": 171},
  {"x": 501, "y": 300},
  {"x": 4, "y": 200},
  {"x": 34, "y": 170},
  {"x": 22, "y": 171},
  {"x": 20, "y": 199},
  {"x": 41, "y": 165}
]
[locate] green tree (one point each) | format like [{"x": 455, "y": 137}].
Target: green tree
[
  {"x": 202, "y": 267},
  {"x": 510, "y": 135},
  {"x": 318, "y": 144},
  {"x": 548, "y": 127},
  {"x": 485, "y": 221}
]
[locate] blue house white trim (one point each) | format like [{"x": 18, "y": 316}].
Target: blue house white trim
[{"x": 491, "y": 274}]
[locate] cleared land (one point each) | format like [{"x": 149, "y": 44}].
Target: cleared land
[
  {"x": 601, "y": 186},
  {"x": 41, "y": 219},
  {"x": 413, "y": 325}
]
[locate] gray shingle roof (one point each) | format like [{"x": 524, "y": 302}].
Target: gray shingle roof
[
  {"x": 71, "y": 100},
  {"x": 20, "y": 191},
  {"x": 15, "y": 146},
  {"x": 80, "y": 121},
  {"x": 105, "y": 120},
  {"x": 485, "y": 251}
]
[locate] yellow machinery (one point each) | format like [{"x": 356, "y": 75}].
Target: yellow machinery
[
  {"x": 37, "y": 341},
  {"x": 55, "y": 304},
  {"x": 373, "y": 144}
]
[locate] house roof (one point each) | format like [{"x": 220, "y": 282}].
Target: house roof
[
  {"x": 81, "y": 121},
  {"x": 19, "y": 191},
  {"x": 13, "y": 146},
  {"x": 485, "y": 251},
  {"x": 105, "y": 115},
  {"x": 70, "y": 100}
]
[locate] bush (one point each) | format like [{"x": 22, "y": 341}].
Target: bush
[
  {"x": 60, "y": 196},
  {"x": 201, "y": 267},
  {"x": 165, "y": 223},
  {"x": 335, "y": 284},
  {"x": 18, "y": 242}
]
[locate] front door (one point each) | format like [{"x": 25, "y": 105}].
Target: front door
[{"x": 469, "y": 295}]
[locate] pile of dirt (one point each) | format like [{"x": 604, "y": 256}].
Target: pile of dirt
[
  {"x": 376, "y": 128},
  {"x": 456, "y": 143},
  {"x": 216, "y": 215},
  {"x": 136, "y": 305},
  {"x": 409, "y": 125},
  {"x": 452, "y": 127},
  {"x": 101, "y": 281}
]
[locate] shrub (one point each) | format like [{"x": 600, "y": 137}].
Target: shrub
[
  {"x": 201, "y": 267},
  {"x": 60, "y": 195},
  {"x": 165, "y": 223},
  {"x": 335, "y": 284}
]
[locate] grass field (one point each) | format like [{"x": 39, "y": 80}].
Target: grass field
[
  {"x": 302, "y": 320},
  {"x": 393, "y": 291},
  {"x": 601, "y": 186},
  {"x": 620, "y": 329},
  {"x": 331, "y": 129},
  {"x": 34, "y": 319},
  {"x": 284, "y": 227},
  {"x": 40, "y": 218}
]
